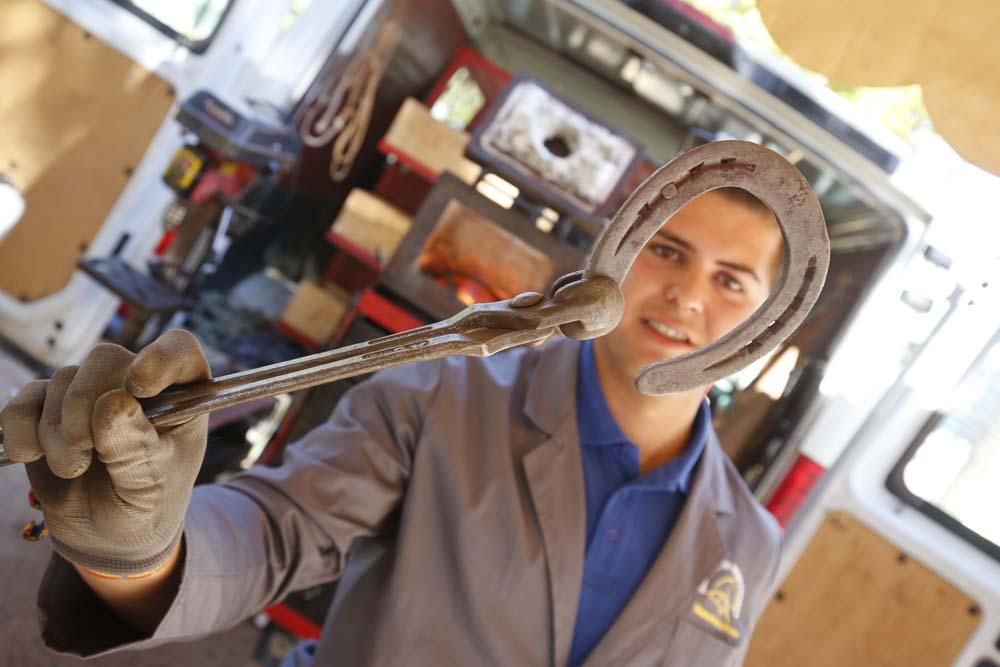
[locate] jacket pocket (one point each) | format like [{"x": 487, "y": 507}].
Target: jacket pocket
[{"x": 694, "y": 646}]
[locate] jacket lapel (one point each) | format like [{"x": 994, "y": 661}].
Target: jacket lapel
[
  {"x": 692, "y": 553},
  {"x": 554, "y": 473}
]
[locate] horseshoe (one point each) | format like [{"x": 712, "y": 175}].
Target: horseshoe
[{"x": 772, "y": 179}]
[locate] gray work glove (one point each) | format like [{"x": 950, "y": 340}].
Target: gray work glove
[{"x": 113, "y": 490}]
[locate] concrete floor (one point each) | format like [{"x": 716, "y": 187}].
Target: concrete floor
[{"x": 21, "y": 567}]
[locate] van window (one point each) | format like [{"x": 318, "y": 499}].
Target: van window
[
  {"x": 193, "y": 23},
  {"x": 951, "y": 472}
]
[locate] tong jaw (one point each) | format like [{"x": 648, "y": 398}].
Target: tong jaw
[{"x": 579, "y": 308}]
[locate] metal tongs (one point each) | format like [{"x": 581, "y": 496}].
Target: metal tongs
[{"x": 581, "y": 305}]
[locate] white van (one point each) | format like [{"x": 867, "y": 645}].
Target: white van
[{"x": 870, "y": 433}]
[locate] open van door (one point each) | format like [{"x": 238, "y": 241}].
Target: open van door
[
  {"x": 896, "y": 561},
  {"x": 90, "y": 94},
  {"x": 895, "y": 557},
  {"x": 78, "y": 116}
]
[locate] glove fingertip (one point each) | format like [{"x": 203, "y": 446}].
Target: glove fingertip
[
  {"x": 70, "y": 465},
  {"x": 114, "y": 405},
  {"x": 139, "y": 386},
  {"x": 175, "y": 357},
  {"x": 19, "y": 420},
  {"x": 150, "y": 373}
]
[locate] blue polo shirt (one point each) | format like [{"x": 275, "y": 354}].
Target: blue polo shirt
[{"x": 629, "y": 516}]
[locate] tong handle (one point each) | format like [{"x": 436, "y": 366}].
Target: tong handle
[{"x": 591, "y": 307}]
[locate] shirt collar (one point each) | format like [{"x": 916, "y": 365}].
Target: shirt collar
[
  {"x": 679, "y": 472},
  {"x": 597, "y": 426}
]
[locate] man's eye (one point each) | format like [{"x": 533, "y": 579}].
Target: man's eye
[
  {"x": 664, "y": 251},
  {"x": 730, "y": 283}
]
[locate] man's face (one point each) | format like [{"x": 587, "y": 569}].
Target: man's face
[{"x": 701, "y": 275}]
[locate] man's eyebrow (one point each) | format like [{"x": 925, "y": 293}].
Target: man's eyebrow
[
  {"x": 675, "y": 239},
  {"x": 741, "y": 268}
]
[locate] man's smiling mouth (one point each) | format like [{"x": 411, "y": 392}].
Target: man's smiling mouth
[{"x": 668, "y": 332}]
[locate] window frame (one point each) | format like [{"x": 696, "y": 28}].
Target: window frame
[
  {"x": 198, "y": 47},
  {"x": 897, "y": 486}
]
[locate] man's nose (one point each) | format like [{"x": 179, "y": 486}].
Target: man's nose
[{"x": 687, "y": 293}]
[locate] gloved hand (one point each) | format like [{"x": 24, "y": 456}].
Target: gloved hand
[{"x": 113, "y": 490}]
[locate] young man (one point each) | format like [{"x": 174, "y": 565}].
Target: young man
[{"x": 531, "y": 508}]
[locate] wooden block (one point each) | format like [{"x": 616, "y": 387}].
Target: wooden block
[
  {"x": 854, "y": 599},
  {"x": 316, "y": 312},
  {"x": 372, "y": 224},
  {"x": 435, "y": 145}
]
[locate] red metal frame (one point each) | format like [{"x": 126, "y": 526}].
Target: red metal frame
[
  {"x": 307, "y": 343},
  {"x": 407, "y": 160},
  {"x": 490, "y": 77},
  {"x": 404, "y": 188},
  {"x": 387, "y": 314},
  {"x": 355, "y": 267},
  {"x": 364, "y": 257},
  {"x": 407, "y": 181},
  {"x": 352, "y": 267}
]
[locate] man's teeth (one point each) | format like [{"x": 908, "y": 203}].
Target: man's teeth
[{"x": 664, "y": 330}]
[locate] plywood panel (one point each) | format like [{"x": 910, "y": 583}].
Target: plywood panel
[
  {"x": 76, "y": 116},
  {"x": 854, "y": 599},
  {"x": 948, "y": 48}
]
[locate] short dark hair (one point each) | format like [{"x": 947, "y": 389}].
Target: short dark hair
[{"x": 752, "y": 203}]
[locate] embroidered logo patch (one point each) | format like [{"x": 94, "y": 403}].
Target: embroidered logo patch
[{"x": 720, "y": 600}]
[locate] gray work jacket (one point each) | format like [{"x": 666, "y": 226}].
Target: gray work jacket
[{"x": 448, "y": 499}]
